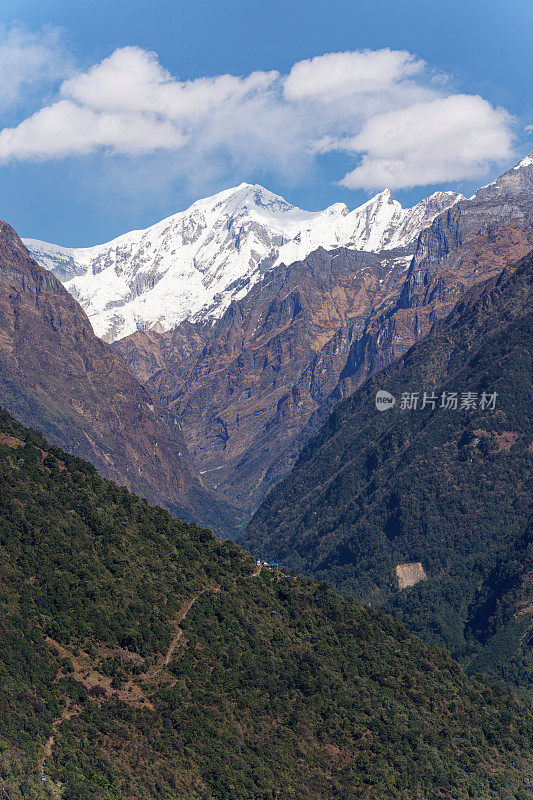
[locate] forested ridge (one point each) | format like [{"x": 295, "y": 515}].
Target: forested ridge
[
  {"x": 277, "y": 687},
  {"x": 448, "y": 488}
]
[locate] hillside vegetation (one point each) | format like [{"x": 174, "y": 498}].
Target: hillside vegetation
[{"x": 141, "y": 658}]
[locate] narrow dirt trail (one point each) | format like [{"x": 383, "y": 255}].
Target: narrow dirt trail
[
  {"x": 182, "y": 613},
  {"x": 68, "y": 712},
  {"x": 184, "y": 610}
]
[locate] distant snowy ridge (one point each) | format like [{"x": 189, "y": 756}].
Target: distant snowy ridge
[{"x": 193, "y": 264}]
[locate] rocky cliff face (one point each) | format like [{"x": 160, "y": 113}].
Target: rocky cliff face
[
  {"x": 58, "y": 377},
  {"x": 252, "y": 388},
  {"x": 464, "y": 245}
]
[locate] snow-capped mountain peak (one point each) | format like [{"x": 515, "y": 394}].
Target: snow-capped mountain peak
[{"x": 192, "y": 264}]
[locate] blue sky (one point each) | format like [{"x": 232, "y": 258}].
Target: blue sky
[{"x": 95, "y": 163}]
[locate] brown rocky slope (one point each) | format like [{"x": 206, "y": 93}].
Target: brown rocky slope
[{"x": 58, "y": 377}]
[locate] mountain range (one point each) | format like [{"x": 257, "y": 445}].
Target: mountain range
[
  {"x": 251, "y": 388},
  {"x": 192, "y": 265},
  {"x": 142, "y": 657},
  {"x": 254, "y": 371}
]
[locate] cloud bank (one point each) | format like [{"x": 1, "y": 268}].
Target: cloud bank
[{"x": 384, "y": 108}]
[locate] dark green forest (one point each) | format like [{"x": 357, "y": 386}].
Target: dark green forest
[
  {"x": 277, "y": 687},
  {"x": 448, "y": 488}
]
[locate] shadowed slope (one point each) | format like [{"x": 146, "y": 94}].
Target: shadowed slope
[{"x": 56, "y": 375}]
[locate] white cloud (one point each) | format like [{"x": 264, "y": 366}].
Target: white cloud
[
  {"x": 65, "y": 128},
  {"x": 447, "y": 139},
  {"x": 129, "y": 104},
  {"x": 29, "y": 61},
  {"x": 131, "y": 80},
  {"x": 384, "y": 107},
  {"x": 337, "y": 76}
]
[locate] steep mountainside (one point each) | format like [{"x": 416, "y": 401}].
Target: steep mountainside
[
  {"x": 56, "y": 375},
  {"x": 253, "y": 387},
  {"x": 192, "y": 265},
  {"x": 434, "y": 494},
  {"x": 244, "y": 388},
  {"x": 142, "y": 659}
]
